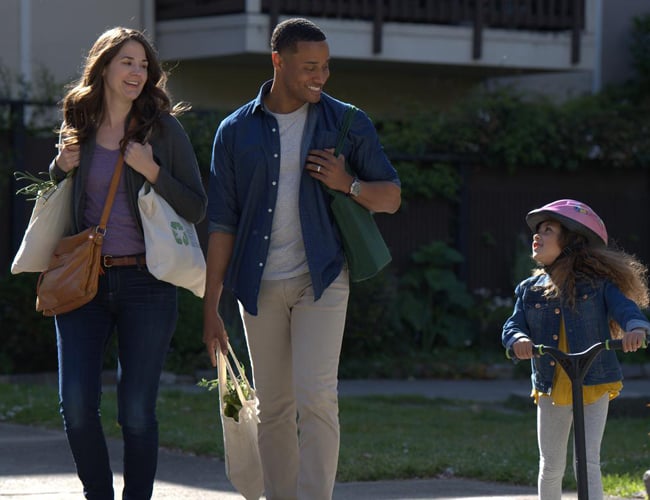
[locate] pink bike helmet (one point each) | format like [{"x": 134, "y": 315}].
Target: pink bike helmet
[{"x": 575, "y": 216}]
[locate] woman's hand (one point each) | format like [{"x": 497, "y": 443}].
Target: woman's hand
[
  {"x": 68, "y": 157},
  {"x": 140, "y": 158}
]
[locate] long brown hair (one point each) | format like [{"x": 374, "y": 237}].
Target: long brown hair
[
  {"x": 83, "y": 105},
  {"x": 581, "y": 261}
]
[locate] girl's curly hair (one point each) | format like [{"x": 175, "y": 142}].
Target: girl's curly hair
[{"x": 580, "y": 261}]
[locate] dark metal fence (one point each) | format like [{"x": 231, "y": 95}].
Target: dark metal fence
[
  {"x": 487, "y": 226},
  {"x": 536, "y": 15},
  {"x": 180, "y": 9}
]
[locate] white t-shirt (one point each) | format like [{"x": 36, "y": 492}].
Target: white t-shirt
[{"x": 286, "y": 257}]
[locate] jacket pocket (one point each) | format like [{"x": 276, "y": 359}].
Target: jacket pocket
[
  {"x": 539, "y": 310},
  {"x": 326, "y": 139}
]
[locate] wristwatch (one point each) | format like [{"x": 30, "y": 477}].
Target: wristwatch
[{"x": 355, "y": 187}]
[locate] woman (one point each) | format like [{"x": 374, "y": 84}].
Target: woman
[{"x": 120, "y": 105}]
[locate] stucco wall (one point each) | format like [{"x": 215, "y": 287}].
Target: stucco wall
[
  {"x": 60, "y": 32},
  {"x": 381, "y": 91},
  {"x": 616, "y": 62}
]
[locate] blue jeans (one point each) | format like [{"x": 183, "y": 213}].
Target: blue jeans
[{"x": 143, "y": 310}]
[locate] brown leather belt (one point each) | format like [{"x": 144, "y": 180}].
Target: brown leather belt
[{"x": 126, "y": 260}]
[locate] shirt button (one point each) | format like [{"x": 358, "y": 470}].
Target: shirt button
[
  {"x": 538, "y": 305},
  {"x": 584, "y": 297},
  {"x": 555, "y": 337},
  {"x": 552, "y": 363},
  {"x": 273, "y": 129},
  {"x": 270, "y": 210},
  {"x": 266, "y": 237},
  {"x": 261, "y": 264},
  {"x": 275, "y": 155},
  {"x": 273, "y": 183},
  {"x": 557, "y": 310}
]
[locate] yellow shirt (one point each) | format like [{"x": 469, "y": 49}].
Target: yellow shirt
[{"x": 562, "y": 392}]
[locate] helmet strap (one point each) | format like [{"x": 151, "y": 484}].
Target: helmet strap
[{"x": 571, "y": 249}]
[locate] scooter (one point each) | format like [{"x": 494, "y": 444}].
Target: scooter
[{"x": 576, "y": 366}]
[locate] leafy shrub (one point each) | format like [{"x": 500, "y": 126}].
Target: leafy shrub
[
  {"x": 28, "y": 338},
  {"x": 640, "y": 47},
  {"x": 368, "y": 331},
  {"x": 433, "y": 304},
  {"x": 200, "y": 126}
]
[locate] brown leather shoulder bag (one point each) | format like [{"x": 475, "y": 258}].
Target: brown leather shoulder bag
[{"x": 72, "y": 275}]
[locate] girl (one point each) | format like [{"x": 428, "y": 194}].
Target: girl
[
  {"x": 120, "y": 106},
  {"x": 583, "y": 293}
]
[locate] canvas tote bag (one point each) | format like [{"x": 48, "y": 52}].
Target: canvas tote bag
[
  {"x": 51, "y": 218},
  {"x": 172, "y": 245},
  {"x": 241, "y": 451}
]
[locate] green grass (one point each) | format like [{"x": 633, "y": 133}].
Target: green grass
[{"x": 382, "y": 437}]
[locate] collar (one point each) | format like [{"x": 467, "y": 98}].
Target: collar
[{"x": 258, "y": 103}]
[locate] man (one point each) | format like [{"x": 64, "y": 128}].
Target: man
[{"x": 274, "y": 243}]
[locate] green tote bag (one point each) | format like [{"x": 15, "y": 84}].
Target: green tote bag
[{"x": 365, "y": 249}]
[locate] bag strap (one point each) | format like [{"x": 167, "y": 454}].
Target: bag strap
[
  {"x": 340, "y": 140},
  {"x": 225, "y": 368},
  {"x": 242, "y": 374},
  {"x": 345, "y": 128},
  {"x": 112, "y": 190}
]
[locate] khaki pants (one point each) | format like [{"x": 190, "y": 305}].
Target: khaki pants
[{"x": 295, "y": 345}]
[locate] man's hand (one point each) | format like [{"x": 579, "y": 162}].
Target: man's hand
[
  {"x": 329, "y": 169},
  {"x": 220, "y": 247},
  {"x": 214, "y": 334}
]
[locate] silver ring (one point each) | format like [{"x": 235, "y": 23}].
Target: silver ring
[{"x": 318, "y": 169}]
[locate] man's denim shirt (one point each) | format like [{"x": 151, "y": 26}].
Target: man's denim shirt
[
  {"x": 243, "y": 189},
  {"x": 538, "y": 318}
]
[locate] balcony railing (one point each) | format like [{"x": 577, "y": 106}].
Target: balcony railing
[
  {"x": 167, "y": 10},
  {"x": 532, "y": 15}
]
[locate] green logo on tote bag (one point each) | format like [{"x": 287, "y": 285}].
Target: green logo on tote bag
[{"x": 179, "y": 233}]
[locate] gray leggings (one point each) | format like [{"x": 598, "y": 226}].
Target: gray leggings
[{"x": 553, "y": 426}]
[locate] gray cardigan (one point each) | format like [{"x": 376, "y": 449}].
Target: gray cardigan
[{"x": 179, "y": 181}]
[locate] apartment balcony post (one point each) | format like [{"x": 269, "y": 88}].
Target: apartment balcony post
[
  {"x": 253, "y": 6},
  {"x": 274, "y": 14},
  {"x": 377, "y": 27},
  {"x": 477, "y": 35},
  {"x": 575, "y": 30}
]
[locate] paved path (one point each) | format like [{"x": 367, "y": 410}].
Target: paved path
[{"x": 35, "y": 464}]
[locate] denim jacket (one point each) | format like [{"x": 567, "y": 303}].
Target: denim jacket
[
  {"x": 243, "y": 189},
  {"x": 538, "y": 318}
]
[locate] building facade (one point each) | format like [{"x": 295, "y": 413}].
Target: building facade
[{"x": 388, "y": 57}]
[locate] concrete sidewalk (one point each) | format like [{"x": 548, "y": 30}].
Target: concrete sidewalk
[{"x": 36, "y": 463}]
